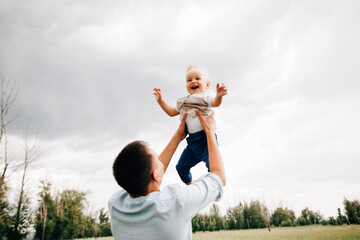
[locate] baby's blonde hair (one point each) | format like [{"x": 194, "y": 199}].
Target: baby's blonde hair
[{"x": 199, "y": 68}]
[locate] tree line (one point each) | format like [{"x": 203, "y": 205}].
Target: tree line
[
  {"x": 59, "y": 215},
  {"x": 255, "y": 215}
]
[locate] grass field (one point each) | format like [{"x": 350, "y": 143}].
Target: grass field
[{"x": 314, "y": 232}]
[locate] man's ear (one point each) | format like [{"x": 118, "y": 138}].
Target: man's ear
[{"x": 156, "y": 176}]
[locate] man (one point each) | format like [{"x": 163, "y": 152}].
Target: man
[{"x": 141, "y": 210}]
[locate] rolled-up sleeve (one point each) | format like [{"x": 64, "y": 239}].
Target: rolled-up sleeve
[{"x": 201, "y": 193}]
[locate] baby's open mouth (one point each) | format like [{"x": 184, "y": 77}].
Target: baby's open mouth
[{"x": 194, "y": 87}]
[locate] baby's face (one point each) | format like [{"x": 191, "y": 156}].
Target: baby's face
[{"x": 196, "y": 82}]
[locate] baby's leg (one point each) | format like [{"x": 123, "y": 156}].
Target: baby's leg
[
  {"x": 200, "y": 150},
  {"x": 186, "y": 162}
]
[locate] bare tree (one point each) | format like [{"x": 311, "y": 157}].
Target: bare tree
[
  {"x": 22, "y": 216},
  {"x": 8, "y": 97}
]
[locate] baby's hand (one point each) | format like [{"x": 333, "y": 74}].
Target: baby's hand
[
  {"x": 221, "y": 89},
  {"x": 157, "y": 94}
]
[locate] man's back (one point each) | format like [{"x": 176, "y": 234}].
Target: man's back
[{"x": 162, "y": 215}]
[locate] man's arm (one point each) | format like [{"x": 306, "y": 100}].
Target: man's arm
[
  {"x": 166, "y": 107},
  {"x": 170, "y": 149},
  {"x": 215, "y": 160},
  {"x": 221, "y": 91},
  {"x": 208, "y": 188}
]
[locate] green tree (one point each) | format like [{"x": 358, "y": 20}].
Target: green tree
[
  {"x": 104, "y": 228},
  {"x": 341, "y": 219},
  {"x": 88, "y": 227},
  {"x": 217, "y": 220},
  {"x": 71, "y": 205},
  {"x": 301, "y": 221},
  {"x": 305, "y": 215},
  {"x": 195, "y": 222},
  {"x": 316, "y": 218},
  {"x": 21, "y": 221},
  {"x": 332, "y": 221},
  {"x": 61, "y": 216},
  {"x": 255, "y": 215},
  {"x": 352, "y": 211},
  {"x": 282, "y": 215},
  {"x": 287, "y": 223},
  {"x": 202, "y": 222},
  {"x": 45, "y": 215},
  {"x": 311, "y": 217},
  {"x": 234, "y": 217},
  {"x": 4, "y": 212},
  {"x": 211, "y": 224}
]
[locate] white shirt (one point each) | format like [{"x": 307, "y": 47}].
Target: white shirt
[
  {"x": 162, "y": 215},
  {"x": 192, "y": 120}
]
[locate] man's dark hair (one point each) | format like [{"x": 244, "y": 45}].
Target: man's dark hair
[{"x": 132, "y": 168}]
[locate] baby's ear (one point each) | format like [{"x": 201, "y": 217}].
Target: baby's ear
[{"x": 208, "y": 84}]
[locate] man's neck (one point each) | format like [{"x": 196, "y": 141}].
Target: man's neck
[
  {"x": 151, "y": 188},
  {"x": 155, "y": 187}
]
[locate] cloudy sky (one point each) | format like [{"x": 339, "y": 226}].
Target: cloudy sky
[{"x": 288, "y": 129}]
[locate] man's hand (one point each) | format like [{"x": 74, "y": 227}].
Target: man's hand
[
  {"x": 221, "y": 89},
  {"x": 216, "y": 164},
  {"x": 157, "y": 93},
  {"x": 181, "y": 131},
  {"x": 208, "y": 123}
]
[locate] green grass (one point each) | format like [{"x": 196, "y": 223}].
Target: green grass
[
  {"x": 99, "y": 238},
  {"x": 313, "y": 232}
]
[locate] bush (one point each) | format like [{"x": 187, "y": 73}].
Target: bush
[
  {"x": 311, "y": 217},
  {"x": 282, "y": 215},
  {"x": 324, "y": 222},
  {"x": 301, "y": 221},
  {"x": 332, "y": 221},
  {"x": 286, "y": 223}
]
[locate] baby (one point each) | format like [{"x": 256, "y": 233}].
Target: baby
[{"x": 202, "y": 98}]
